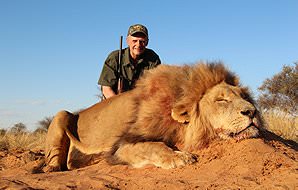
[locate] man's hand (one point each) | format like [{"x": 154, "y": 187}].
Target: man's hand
[{"x": 108, "y": 92}]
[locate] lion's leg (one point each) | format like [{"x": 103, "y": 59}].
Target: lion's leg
[
  {"x": 153, "y": 153},
  {"x": 57, "y": 142},
  {"x": 77, "y": 159}
]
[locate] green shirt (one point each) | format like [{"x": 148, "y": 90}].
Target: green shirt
[{"x": 128, "y": 72}]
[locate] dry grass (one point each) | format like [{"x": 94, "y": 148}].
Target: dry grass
[
  {"x": 282, "y": 124},
  {"x": 23, "y": 141}
]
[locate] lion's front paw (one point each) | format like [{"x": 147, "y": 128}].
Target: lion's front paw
[
  {"x": 47, "y": 169},
  {"x": 185, "y": 158},
  {"x": 180, "y": 159}
]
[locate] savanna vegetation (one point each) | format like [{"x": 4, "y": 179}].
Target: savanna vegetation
[
  {"x": 18, "y": 137},
  {"x": 278, "y": 102},
  {"x": 281, "y": 91}
]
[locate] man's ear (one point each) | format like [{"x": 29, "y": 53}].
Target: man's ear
[{"x": 180, "y": 114}]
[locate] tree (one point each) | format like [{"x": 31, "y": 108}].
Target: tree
[
  {"x": 281, "y": 91},
  {"x": 19, "y": 128},
  {"x": 44, "y": 124},
  {"x": 2, "y": 132}
]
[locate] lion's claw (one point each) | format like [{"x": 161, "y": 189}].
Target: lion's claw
[{"x": 183, "y": 158}]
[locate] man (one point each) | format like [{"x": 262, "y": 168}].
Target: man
[{"x": 135, "y": 59}]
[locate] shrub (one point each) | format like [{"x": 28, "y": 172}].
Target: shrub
[
  {"x": 18, "y": 128},
  {"x": 23, "y": 141},
  {"x": 45, "y": 123},
  {"x": 281, "y": 91}
]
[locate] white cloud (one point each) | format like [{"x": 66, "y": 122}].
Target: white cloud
[{"x": 32, "y": 102}]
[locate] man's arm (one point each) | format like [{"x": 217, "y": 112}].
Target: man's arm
[
  {"x": 154, "y": 59},
  {"x": 108, "y": 77}
]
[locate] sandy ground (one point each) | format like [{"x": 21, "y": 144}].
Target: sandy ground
[{"x": 249, "y": 164}]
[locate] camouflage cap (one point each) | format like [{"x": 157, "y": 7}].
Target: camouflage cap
[{"x": 137, "y": 28}]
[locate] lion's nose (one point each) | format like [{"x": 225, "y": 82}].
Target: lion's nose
[{"x": 249, "y": 111}]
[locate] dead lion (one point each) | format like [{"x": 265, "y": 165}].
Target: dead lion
[{"x": 173, "y": 112}]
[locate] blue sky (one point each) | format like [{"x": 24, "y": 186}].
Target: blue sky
[{"x": 52, "y": 51}]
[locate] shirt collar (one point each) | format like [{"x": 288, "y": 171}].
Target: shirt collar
[{"x": 126, "y": 57}]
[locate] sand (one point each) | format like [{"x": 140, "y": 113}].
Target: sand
[{"x": 248, "y": 164}]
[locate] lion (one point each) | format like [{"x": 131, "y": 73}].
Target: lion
[{"x": 173, "y": 112}]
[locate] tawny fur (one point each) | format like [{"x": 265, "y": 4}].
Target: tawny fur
[
  {"x": 160, "y": 122},
  {"x": 176, "y": 87}
]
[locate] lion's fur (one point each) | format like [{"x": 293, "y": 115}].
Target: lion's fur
[
  {"x": 176, "y": 87},
  {"x": 160, "y": 115}
]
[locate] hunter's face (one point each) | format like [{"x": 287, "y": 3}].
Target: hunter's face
[{"x": 137, "y": 44}]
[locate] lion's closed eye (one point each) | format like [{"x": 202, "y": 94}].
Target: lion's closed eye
[{"x": 221, "y": 100}]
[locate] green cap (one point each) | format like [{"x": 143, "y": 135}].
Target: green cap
[{"x": 137, "y": 28}]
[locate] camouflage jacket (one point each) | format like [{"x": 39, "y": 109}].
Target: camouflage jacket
[{"x": 129, "y": 72}]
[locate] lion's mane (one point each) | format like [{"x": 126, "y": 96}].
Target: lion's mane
[{"x": 168, "y": 88}]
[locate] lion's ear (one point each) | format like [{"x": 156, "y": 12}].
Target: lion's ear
[{"x": 181, "y": 115}]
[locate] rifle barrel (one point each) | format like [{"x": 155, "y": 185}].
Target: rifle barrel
[{"x": 120, "y": 85}]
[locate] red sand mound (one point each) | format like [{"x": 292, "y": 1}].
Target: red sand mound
[{"x": 249, "y": 164}]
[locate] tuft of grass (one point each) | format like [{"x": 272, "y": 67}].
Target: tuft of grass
[
  {"x": 23, "y": 141},
  {"x": 282, "y": 124}
]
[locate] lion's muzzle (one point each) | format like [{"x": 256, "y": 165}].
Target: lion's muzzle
[{"x": 250, "y": 131}]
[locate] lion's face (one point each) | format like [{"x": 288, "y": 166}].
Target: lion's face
[{"x": 229, "y": 113}]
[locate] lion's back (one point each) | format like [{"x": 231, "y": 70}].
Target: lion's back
[{"x": 103, "y": 123}]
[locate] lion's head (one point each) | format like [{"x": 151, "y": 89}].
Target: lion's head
[
  {"x": 229, "y": 112},
  {"x": 202, "y": 102}
]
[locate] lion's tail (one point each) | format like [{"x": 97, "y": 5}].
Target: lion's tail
[{"x": 79, "y": 145}]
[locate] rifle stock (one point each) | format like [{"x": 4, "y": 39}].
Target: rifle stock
[{"x": 120, "y": 81}]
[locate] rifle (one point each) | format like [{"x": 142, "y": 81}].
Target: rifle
[{"x": 120, "y": 81}]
